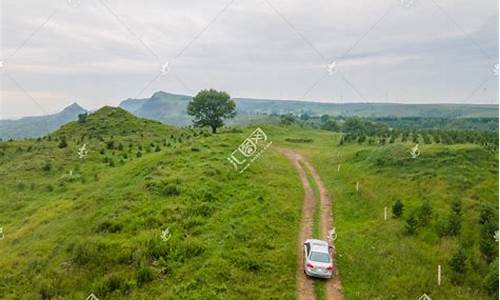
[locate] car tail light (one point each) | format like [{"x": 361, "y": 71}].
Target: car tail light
[
  {"x": 329, "y": 268},
  {"x": 309, "y": 265}
]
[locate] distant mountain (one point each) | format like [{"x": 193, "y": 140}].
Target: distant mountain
[
  {"x": 39, "y": 125},
  {"x": 172, "y": 109}
]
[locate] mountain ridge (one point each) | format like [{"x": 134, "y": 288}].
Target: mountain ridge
[{"x": 36, "y": 126}]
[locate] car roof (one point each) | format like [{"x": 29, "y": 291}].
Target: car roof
[{"x": 318, "y": 245}]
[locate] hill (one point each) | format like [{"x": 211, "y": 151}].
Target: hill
[
  {"x": 171, "y": 109},
  {"x": 150, "y": 212},
  {"x": 156, "y": 212},
  {"x": 40, "y": 125}
]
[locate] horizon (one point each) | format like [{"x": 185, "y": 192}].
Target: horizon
[
  {"x": 414, "y": 52},
  {"x": 94, "y": 109}
]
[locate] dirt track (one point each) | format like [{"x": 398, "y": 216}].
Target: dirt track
[{"x": 305, "y": 286}]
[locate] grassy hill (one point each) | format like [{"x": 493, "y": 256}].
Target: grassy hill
[
  {"x": 78, "y": 226},
  {"x": 75, "y": 226}
]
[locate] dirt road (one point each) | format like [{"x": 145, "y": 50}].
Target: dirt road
[{"x": 305, "y": 284}]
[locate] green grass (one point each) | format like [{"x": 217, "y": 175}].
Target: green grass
[
  {"x": 376, "y": 258},
  {"x": 100, "y": 230},
  {"x": 233, "y": 235}
]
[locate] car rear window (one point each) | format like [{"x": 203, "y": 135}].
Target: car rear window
[{"x": 320, "y": 257}]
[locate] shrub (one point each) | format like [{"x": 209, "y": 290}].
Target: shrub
[
  {"x": 83, "y": 253},
  {"x": 397, "y": 209},
  {"x": 458, "y": 264},
  {"x": 144, "y": 275},
  {"x": 456, "y": 207},
  {"x": 62, "y": 143},
  {"x": 46, "y": 290},
  {"x": 47, "y": 166},
  {"x": 108, "y": 226},
  {"x": 487, "y": 243},
  {"x": 110, "y": 144},
  {"x": 424, "y": 213},
  {"x": 171, "y": 189},
  {"x": 411, "y": 224},
  {"x": 454, "y": 225},
  {"x": 486, "y": 215},
  {"x": 490, "y": 281},
  {"x": 82, "y": 118},
  {"x": 110, "y": 284}
]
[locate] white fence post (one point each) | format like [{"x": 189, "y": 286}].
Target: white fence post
[{"x": 439, "y": 274}]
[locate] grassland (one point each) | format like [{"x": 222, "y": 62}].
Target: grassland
[
  {"x": 377, "y": 259},
  {"x": 233, "y": 236},
  {"x": 99, "y": 229}
]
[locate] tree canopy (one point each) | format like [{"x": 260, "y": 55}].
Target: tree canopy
[{"x": 210, "y": 108}]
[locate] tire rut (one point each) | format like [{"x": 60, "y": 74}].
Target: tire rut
[{"x": 305, "y": 285}]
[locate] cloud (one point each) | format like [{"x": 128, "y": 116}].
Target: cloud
[{"x": 261, "y": 49}]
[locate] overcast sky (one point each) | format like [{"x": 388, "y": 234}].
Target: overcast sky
[{"x": 100, "y": 52}]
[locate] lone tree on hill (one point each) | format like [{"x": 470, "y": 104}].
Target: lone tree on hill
[{"x": 210, "y": 108}]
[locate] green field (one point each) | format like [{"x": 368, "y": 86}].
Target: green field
[
  {"x": 232, "y": 236},
  {"x": 378, "y": 259}
]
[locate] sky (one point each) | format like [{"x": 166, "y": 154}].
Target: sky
[{"x": 100, "y": 52}]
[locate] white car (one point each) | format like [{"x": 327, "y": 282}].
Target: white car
[{"x": 318, "y": 260}]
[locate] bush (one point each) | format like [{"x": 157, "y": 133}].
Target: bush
[
  {"x": 454, "y": 225},
  {"x": 171, "y": 189},
  {"x": 456, "y": 207},
  {"x": 397, "y": 209},
  {"x": 108, "y": 226},
  {"x": 110, "y": 284},
  {"x": 110, "y": 144},
  {"x": 83, "y": 253},
  {"x": 144, "y": 275},
  {"x": 424, "y": 213},
  {"x": 411, "y": 224},
  {"x": 487, "y": 243},
  {"x": 82, "y": 118},
  {"x": 458, "y": 264},
  {"x": 63, "y": 143},
  {"x": 47, "y": 167},
  {"x": 486, "y": 215},
  {"x": 490, "y": 281}
]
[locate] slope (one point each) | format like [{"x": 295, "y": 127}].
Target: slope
[{"x": 150, "y": 212}]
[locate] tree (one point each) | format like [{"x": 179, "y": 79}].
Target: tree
[
  {"x": 456, "y": 207},
  {"x": 82, "y": 118},
  {"x": 397, "y": 209},
  {"x": 411, "y": 224},
  {"x": 487, "y": 243},
  {"x": 62, "y": 142},
  {"x": 330, "y": 125},
  {"x": 287, "y": 119},
  {"x": 424, "y": 213},
  {"x": 210, "y": 108},
  {"x": 486, "y": 215},
  {"x": 457, "y": 263},
  {"x": 454, "y": 225},
  {"x": 490, "y": 281}
]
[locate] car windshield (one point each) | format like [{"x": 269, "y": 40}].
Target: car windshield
[{"x": 320, "y": 257}]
